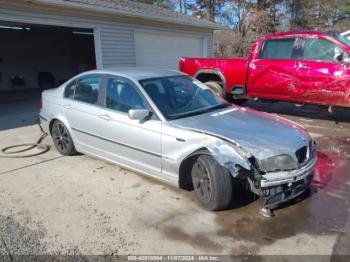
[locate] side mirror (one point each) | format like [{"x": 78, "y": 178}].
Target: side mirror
[
  {"x": 346, "y": 60},
  {"x": 343, "y": 58},
  {"x": 339, "y": 57},
  {"x": 138, "y": 114}
]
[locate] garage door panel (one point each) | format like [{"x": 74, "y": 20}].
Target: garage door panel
[{"x": 165, "y": 50}]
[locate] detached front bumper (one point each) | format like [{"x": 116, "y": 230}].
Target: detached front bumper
[
  {"x": 279, "y": 187},
  {"x": 282, "y": 193},
  {"x": 285, "y": 177}
]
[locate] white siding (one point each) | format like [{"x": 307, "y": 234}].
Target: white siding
[
  {"x": 115, "y": 38},
  {"x": 117, "y": 44},
  {"x": 165, "y": 50}
]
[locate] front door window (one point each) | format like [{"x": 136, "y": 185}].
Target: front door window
[
  {"x": 122, "y": 96},
  {"x": 321, "y": 50}
]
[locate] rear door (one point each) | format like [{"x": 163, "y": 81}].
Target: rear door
[
  {"x": 82, "y": 108},
  {"x": 273, "y": 73},
  {"x": 322, "y": 77},
  {"x": 134, "y": 143}
]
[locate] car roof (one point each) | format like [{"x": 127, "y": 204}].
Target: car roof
[{"x": 137, "y": 73}]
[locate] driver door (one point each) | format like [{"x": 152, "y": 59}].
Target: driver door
[
  {"x": 133, "y": 143},
  {"x": 321, "y": 77}
]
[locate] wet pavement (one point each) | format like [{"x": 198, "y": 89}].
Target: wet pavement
[
  {"x": 326, "y": 208},
  {"x": 80, "y": 205}
]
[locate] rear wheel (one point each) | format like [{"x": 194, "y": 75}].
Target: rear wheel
[
  {"x": 216, "y": 87},
  {"x": 62, "y": 140},
  {"x": 213, "y": 186}
]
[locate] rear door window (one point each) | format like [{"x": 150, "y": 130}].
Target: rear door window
[
  {"x": 70, "y": 89},
  {"x": 278, "y": 49},
  {"x": 87, "y": 89}
]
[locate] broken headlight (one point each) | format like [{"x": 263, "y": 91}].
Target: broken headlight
[{"x": 278, "y": 163}]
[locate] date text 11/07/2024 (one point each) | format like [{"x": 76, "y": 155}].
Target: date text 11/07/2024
[{"x": 173, "y": 258}]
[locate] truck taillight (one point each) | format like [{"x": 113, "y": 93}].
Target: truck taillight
[
  {"x": 41, "y": 103},
  {"x": 181, "y": 64}
]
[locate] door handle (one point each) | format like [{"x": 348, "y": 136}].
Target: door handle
[
  {"x": 304, "y": 67},
  {"x": 105, "y": 117},
  {"x": 67, "y": 106},
  {"x": 258, "y": 65}
]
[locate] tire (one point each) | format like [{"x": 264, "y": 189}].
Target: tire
[
  {"x": 216, "y": 88},
  {"x": 212, "y": 185},
  {"x": 62, "y": 140}
]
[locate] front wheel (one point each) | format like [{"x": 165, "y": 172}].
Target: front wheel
[
  {"x": 62, "y": 140},
  {"x": 213, "y": 186}
]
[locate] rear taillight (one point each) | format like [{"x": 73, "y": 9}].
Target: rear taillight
[
  {"x": 41, "y": 103},
  {"x": 181, "y": 64}
]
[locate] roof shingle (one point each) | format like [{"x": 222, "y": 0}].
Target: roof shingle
[{"x": 137, "y": 9}]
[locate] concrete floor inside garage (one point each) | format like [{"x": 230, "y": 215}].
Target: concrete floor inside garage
[
  {"x": 34, "y": 58},
  {"x": 51, "y": 204},
  {"x": 19, "y": 114}
]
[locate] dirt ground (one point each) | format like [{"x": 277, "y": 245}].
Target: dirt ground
[{"x": 51, "y": 204}]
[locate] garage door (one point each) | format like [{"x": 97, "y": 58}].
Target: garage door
[{"x": 165, "y": 51}]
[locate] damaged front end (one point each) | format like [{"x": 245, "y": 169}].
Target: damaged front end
[
  {"x": 282, "y": 185},
  {"x": 277, "y": 179}
]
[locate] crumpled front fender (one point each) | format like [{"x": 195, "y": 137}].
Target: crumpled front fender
[{"x": 230, "y": 156}]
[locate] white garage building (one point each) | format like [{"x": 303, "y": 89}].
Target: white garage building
[{"x": 45, "y": 42}]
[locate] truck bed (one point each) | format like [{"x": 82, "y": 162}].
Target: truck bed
[{"x": 234, "y": 69}]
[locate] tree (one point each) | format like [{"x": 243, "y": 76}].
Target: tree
[
  {"x": 183, "y": 6},
  {"x": 331, "y": 15},
  {"x": 249, "y": 19},
  {"x": 323, "y": 15},
  {"x": 239, "y": 15},
  {"x": 208, "y": 9},
  {"x": 297, "y": 9},
  {"x": 158, "y": 3}
]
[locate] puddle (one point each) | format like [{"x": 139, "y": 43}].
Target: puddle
[
  {"x": 199, "y": 240},
  {"x": 333, "y": 163}
]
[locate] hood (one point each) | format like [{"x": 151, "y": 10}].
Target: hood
[{"x": 262, "y": 134}]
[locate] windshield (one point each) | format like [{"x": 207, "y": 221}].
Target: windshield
[
  {"x": 181, "y": 96},
  {"x": 345, "y": 39}
]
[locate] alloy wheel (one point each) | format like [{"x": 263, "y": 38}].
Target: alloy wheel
[
  {"x": 201, "y": 181},
  {"x": 60, "y": 136}
]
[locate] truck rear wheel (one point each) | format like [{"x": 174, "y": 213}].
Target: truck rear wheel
[{"x": 216, "y": 88}]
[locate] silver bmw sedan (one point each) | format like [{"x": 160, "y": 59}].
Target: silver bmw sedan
[{"x": 169, "y": 126}]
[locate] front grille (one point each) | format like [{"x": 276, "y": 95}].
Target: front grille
[{"x": 302, "y": 154}]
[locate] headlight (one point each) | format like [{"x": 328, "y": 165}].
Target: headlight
[{"x": 278, "y": 163}]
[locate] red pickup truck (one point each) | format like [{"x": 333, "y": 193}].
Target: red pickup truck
[{"x": 307, "y": 67}]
